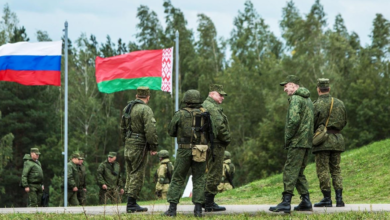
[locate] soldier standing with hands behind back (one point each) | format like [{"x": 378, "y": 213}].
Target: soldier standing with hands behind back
[
  {"x": 73, "y": 180},
  {"x": 139, "y": 134},
  {"x": 32, "y": 178}
]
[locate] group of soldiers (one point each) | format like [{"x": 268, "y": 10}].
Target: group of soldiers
[{"x": 203, "y": 134}]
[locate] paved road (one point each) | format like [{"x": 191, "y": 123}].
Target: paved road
[{"x": 188, "y": 209}]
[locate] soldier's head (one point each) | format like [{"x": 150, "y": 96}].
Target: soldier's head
[
  {"x": 217, "y": 93},
  {"x": 227, "y": 155},
  {"x": 323, "y": 86},
  {"x": 81, "y": 158},
  {"x": 75, "y": 158},
  {"x": 111, "y": 157},
  {"x": 162, "y": 154},
  {"x": 143, "y": 93},
  {"x": 291, "y": 84},
  {"x": 34, "y": 153},
  {"x": 192, "y": 96}
]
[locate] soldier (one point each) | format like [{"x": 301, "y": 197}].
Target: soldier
[
  {"x": 298, "y": 142},
  {"x": 215, "y": 160},
  {"x": 328, "y": 153},
  {"x": 227, "y": 174},
  {"x": 81, "y": 194},
  {"x": 140, "y": 136},
  {"x": 164, "y": 174},
  {"x": 191, "y": 125},
  {"x": 73, "y": 180},
  {"x": 109, "y": 180},
  {"x": 32, "y": 177}
]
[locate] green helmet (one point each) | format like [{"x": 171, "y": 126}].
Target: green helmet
[
  {"x": 227, "y": 155},
  {"x": 163, "y": 153},
  {"x": 192, "y": 96}
]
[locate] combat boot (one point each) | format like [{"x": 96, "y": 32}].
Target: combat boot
[
  {"x": 339, "y": 198},
  {"x": 171, "y": 210},
  {"x": 326, "y": 201},
  {"x": 198, "y": 210},
  {"x": 305, "y": 204},
  {"x": 132, "y": 206},
  {"x": 284, "y": 206},
  {"x": 210, "y": 205}
]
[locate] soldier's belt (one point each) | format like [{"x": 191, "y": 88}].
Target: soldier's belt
[
  {"x": 185, "y": 146},
  {"x": 136, "y": 135}
]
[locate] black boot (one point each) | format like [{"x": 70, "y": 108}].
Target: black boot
[
  {"x": 172, "y": 209},
  {"x": 339, "y": 198},
  {"x": 284, "y": 206},
  {"x": 132, "y": 206},
  {"x": 326, "y": 201},
  {"x": 210, "y": 205},
  {"x": 305, "y": 204},
  {"x": 198, "y": 210}
]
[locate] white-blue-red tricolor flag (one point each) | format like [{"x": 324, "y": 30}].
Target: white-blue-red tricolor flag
[{"x": 31, "y": 63}]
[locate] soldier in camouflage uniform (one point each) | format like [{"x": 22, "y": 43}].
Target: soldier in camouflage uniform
[
  {"x": 109, "y": 180},
  {"x": 298, "y": 142},
  {"x": 222, "y": 140},
  {"x": 164, "y": 174},
  {"x": 139, "y": 134},
  {"x": 81, "y": 194},
  {"x": 227, "y": 174},
  {"x": 73, "y": 180},
  {"x": 328, "y": 153},
  {"x": 32, "y": 178},
  {"x": 188, "y": 136}
]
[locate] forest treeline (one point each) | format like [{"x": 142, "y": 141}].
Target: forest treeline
[{"x": 250, "y": 64}]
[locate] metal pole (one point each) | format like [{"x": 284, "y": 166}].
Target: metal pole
[
  {"x": 66, "y": 119},
  {"x": 177, "y": 83}
]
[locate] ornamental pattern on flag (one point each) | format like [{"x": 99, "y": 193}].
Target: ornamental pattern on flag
[{"x": 167, "y": 58}]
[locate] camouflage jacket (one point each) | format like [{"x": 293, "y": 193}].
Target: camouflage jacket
[
  {"x": 82, "y": 174},
  {"x": 299, "y": 120},
  {"x": 337, "y": 121},
  {"x": 32, "y": 172},
  {"x": 73, "y": 175},
  {"x": 109, "y": 174},
  {"x": 229, "y": 169},
  {"x": 143, "y": 126},
  {"x": 220, "y": 121},
  {"x": 162, "y": 171}
]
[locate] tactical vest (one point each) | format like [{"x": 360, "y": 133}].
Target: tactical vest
[
  {"x": 126, "y": 115},
  {"x": 168, "y": 174},
  {"x": 191, "y": 128}
]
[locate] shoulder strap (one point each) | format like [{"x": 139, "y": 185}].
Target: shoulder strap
[{"x": 330, "y": 112}]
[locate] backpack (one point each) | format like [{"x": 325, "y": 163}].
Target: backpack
[{"x": 199, "y": 123}]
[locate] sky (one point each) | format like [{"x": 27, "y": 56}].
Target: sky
[{"x": 117, "y": 18}]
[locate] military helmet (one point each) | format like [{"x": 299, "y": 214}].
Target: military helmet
[
  {"x": 192, "y": 96},
  {"x": 227, "y": 155},
  {"x": 163, "y": 153}
]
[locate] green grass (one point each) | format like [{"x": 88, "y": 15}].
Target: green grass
[{"x": 365, "y": 180}]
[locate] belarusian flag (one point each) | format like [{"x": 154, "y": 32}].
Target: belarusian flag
[{"x": 152, "y": 68}]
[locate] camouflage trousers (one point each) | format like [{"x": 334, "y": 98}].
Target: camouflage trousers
[
  {"x": 106, "y": 195},
  {"x": 162, "y": 190},
  {"x": 136, "y": 159},
  {"x": 35, "y": 195},
  {"x": 294, "y": 167},
  {"x": 214, "y": 173},
  {"x": 72, "y": 198},
  {"x": 329, "y": 161},
  {"x": 183, "y": 163},
  {"x": 82, "y": 197},
  {"x": 224, "y": 187}
]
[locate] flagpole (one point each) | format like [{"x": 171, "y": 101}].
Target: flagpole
[
  {"x": 66, "y": 119},
  {"x": 177, "y": 83}
]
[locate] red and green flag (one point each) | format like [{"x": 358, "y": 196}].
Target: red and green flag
[{"x": 152, "y": 68}]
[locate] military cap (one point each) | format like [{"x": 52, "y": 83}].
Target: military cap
[
  {"x": 143, "y": 92},
  {"x": 227, "y": 155},
  {"x": 81, "y": 156},
  {"x": 323, "y": 83},
  {"x": 112, "y": 154},
  {"x": 75, "y": 155},
  {"x": 35, "y": 150},
  {"x": 290, "y": 78},
  {"x": 163, "y": 153},
  {"x": 217, "y": 88}
]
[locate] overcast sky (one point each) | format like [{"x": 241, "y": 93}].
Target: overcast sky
[{"x": 117, "y": 18}]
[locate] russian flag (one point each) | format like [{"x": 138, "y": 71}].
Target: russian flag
[{"x": 31, "y": 63}]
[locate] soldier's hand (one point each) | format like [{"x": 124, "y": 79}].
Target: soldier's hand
[
  {"x": 122, "y": 191},
  {"x": 153, "y": 153},
  {"x": 75, "y": 189},
  {"x": 27, "y": 189},
  {"x": 104, "y": 186},
  {"x": 43, "y": 187},
  {"x": 85, "y": 190}
]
